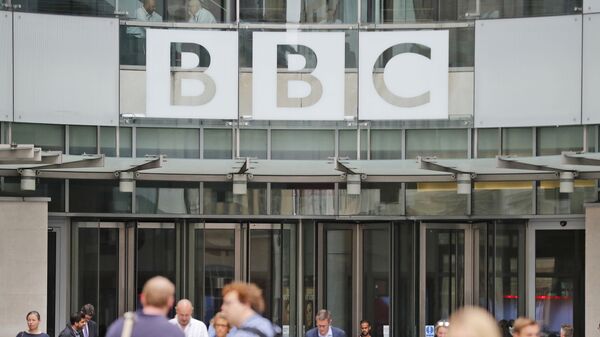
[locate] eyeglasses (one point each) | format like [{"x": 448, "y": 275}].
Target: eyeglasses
[{"x": 442, "y": 323}]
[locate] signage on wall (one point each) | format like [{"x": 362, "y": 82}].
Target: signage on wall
[{"x": 297, "y": 75}]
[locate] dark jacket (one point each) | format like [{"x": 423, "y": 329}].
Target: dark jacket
[
  {"x": 92, "y": 329},
  {"x": 68, "y": 332},
  {"x": 335, "y": 331}
]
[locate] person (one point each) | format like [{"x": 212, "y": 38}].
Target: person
[
  {"x": 157, "y": 298},
  {"x": 441, "y": 328},
  {"x": 331, "y": 13},
  {"x": 566, "y": 330},
  {"x": 197, "y": 14},
  {"x": 33, "y": 326},
  {"x": 324, "y": 328},
  {"x": 90, "y": 329},
  {"x": 472, "y": 322},
  {"x": 146, "y": 12},
  {"x": 242, "y": 305},
  {"x": 184, "y": 320},
  {"x": 365, "y": 328},
  {"x": 77, "y": 321},
  {"x": 219, "y": 325},
  {"x": 525, "y": 327}
]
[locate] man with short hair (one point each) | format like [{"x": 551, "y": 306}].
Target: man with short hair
[
  {"x": 365, "y": 328},
  {"x": 198, "y": 14},
  {"x": 90, "y": 329},
  {"x": 324, "y": 328},
  {"x": 157, "y": 298},
  {"x": 566, "y": 330},
  {"x": 242, "y": 305},
  {"x": 77, "y": 321},
  {"x": 525, "y": 327},
  {"x": 184, "y": 320}
]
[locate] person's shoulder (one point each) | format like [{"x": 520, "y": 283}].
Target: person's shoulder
[
  {"x": 199, "y": 323},
  {"x": 173, "y": 320},
  {"x": 311, "y": 332},
  {"x": 114, "y": 330},
  {"x": 173, "y": 330},
  {"x": 337, "y": 332}
]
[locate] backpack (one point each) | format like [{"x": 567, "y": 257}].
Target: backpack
[{"x": 259, "y": 333}]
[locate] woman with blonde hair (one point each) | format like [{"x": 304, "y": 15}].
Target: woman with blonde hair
[{"x": 473, "y": 322}]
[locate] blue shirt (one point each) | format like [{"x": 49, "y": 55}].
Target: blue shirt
[
  {"x": 257, "y": 322},
  {"x": 146, "y": 325}
]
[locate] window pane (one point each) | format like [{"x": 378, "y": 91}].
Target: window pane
[
  {"x": 517, "y": 142},
  {"x": 125, "y": 142},
  {"x": 551, "y": 201},
  {"x": 488, "y": 144},
  {"x": 98, "y": 196},
  {"x": 302, "y": 144},
  {"x": 219, "y": 199},
  {"x": 386, "y": 144},
  {"x": 376, "y": 276},
  {"x": 374, "y": 199},
  {"x": 174, "y": 143},
  {"x": 347, "y": 144},
  {"x": 48, "y": 137},
  {"x": 305, "y": 199},
  {"x": 217, "y": 144},
  {"x": 82, "y": 139},
  {"x": 554, "y": 140},
  {"x": 51, "y": 188},
  {"x": 157, "y": 197},
  {"x": 591, "y": 138},
  {"x": 108, "y": 141},
  {"x": 253, "y": 143},
  {"x": 434, "y": 199},
  {"x": 323, "y": 11},
  {"x": 441, "y": 143},
  {"x": 507, "y": 198}
]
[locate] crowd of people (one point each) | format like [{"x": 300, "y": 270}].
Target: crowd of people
[{"x": 240, "y": 316}]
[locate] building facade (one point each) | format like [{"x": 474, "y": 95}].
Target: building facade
[{"x": 323, "y": 199}]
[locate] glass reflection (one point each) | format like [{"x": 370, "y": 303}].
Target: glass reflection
[
  {"x": 376, "y": 276},
  {"x": 309, "y": 199},
  {"x": 219, "y": 199},
  {"x": 338, "y": 276},
  {"x": 167, "y": 197},
  {"x": 551, "y": 201},
  {"x": 434, "y": 199},
  {"x": 509, "y": 198},
  {"x": 374, "y": 199}
]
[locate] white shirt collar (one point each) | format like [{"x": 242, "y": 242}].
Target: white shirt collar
[{"x": 329, "y": 333}]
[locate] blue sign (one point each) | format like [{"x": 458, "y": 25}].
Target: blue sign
[{"x": 429, "y": 331}]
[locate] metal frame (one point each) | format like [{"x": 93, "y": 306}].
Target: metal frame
[{"x": 63, "y": 269}]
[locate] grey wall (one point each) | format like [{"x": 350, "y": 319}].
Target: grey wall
[
  {"x": 6, "y": 111},
  {"x": 66, "y": 69},
  {"x": 592, "y": 272},
  {"x": 591, "y": 66},
  {"x": 23, "y": 262},
  {"x": 528, "y": 71},
  {"x": 591, "y": 6}
]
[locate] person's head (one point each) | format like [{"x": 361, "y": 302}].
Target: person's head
[
  {"x": 323, "y": 319},
  {"x": 33, "y": 320},
  {"x": 77, "y": 320},
  {"x": 240, "y": 301},
  {"x": 158, "y": 295},
  {"x": 441, "y": 328},
  {"x": 566, "y": 330},
  {"x": 194, "y": 6},
  {"x": 525, "y": 327},
  {"x": 184, "y": 310},
  {"x": 150, "y": 6},
  {"x": 88, "y": 311},
  {"x": 472, "y": 322},
  {"x": 221, "y": 325},
  {"x": 365, "y": 327}
]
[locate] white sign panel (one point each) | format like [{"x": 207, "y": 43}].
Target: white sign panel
[
  {"x": 298, "y": 75},
  {"x": 403, "y": 75},
  {"x": 204, "y": 81}
]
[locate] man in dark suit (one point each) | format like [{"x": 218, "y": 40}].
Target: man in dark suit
[
  {"x": 324, "y": 328},
  {"x": 91, "y": 328},
  {"x": 74, "y": 329}
]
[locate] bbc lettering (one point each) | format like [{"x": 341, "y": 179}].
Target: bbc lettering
[{"x": 297, "y": 75}]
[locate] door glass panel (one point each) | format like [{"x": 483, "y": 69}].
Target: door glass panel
[
  {"x": 288, "y": 285},
  {"x": 214, "y": 268},
  {"x": 265, "y": 268},
  {"x": 376, "y": 277},
  {"x": 444, "y": 273},
  {"x": 338, "y": 276},
  {"x": 559, "y": 279},
  {"x": 309, "y": 262}
]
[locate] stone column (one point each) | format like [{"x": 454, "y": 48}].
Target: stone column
[
  {"x": 23, "y": 261},
  {"x": 592, "y": 270}
]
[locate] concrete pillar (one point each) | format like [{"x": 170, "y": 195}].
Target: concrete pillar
[
  {"x": 592, "y": 270},
  {"x": 23, "y": 261}
]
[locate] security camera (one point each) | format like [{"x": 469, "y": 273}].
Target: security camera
[{"x": 563, "y": 223}]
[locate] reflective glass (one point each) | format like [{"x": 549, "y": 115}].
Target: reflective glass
[
  {"x": 68, "y": 7},
  {"x": 554, "y": 140},
  {"x": 493, "y": 9},
  {"x": 253, "y": 143},
  {"x": 132, "y": 45},
  {"x": 82, "y": 139},
  {"x": 509, "y": 243},
  {"x": 399, "y": 11},
  {"x": 48, "y": 137},
  {"x": 309, "y": 260},
  {"x": 324, "y": 11},
  {"x": 347, "y": 144},
  {"x": 305, "y": 199},
  {"x": 434, "y": 199},
  {"x": 506, "y": 198},
  {"x": 441, "y": 143},
  {"x": 338, "y": 275},
  {"x": 376, "y": 277},
  {"x": 52, "y": 188},
  {"x": 219, "y": 199},
  {"x": 386, "y": 144},
  {"x": 174, "y": 143},
  {"x": 125, "y": 142},
  {"x": 192, "y": 11},
  {"x": 108, "y": 141},
  {"x": 374, "y": 199},
  {"x": 218, "y": 144},
  {"x": 404, "y": 255},
  {"x": 488, "y": 143},
  {"x": 302, "y": 144},
  {"x": 265, "y": 269},
  {"x": 98, "y": 196},
  {"x": 517, "y": 142},
  {"x": 158, "y": 197},
  {"x": 559, "y": 279},
  {"x": 592, "y": 138},
  {"x": 551, "y": 201}
]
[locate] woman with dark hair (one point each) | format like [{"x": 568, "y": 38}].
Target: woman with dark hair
[{"x": 33, "y": 326}]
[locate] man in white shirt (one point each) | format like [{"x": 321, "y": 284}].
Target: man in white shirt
[
  {"x": 184, "y": 320},
  {"x": 198, "y": 14},
  {"x": 146, "y": 12}
]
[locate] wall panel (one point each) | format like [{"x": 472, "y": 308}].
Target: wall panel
[
  {"x": 6, "y": 88},
  {"x": 528, "y": 71},
  {"x": 66, "y": 69},
  {"x": 591, "y": 69}
]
